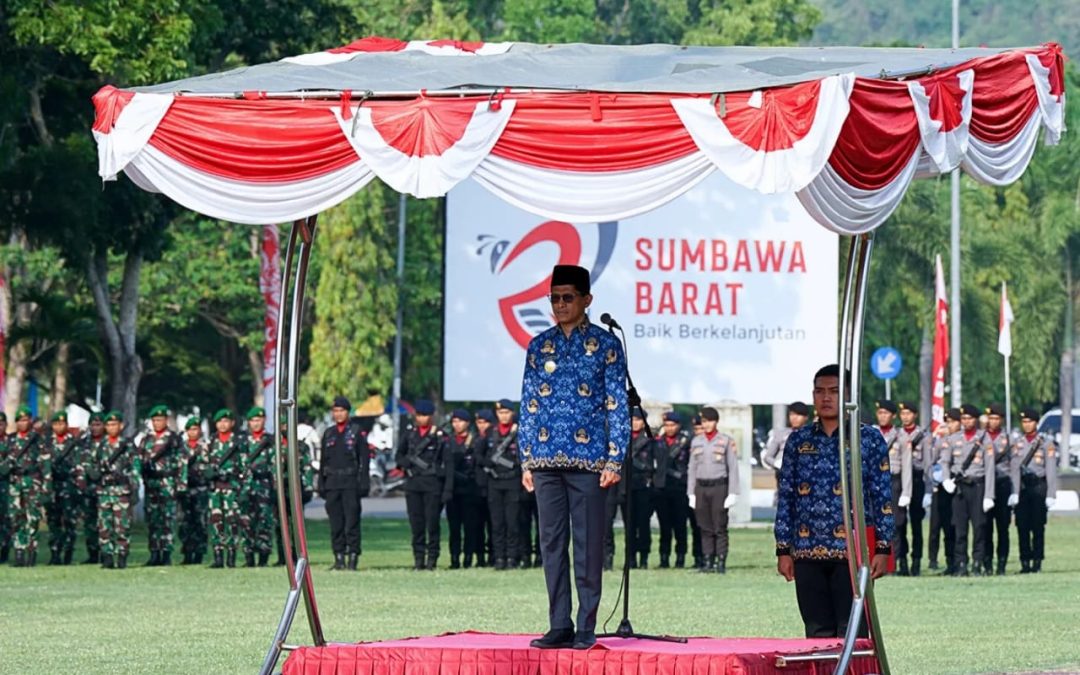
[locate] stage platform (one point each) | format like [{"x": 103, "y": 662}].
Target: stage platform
[{"x": 473, "y": 653}]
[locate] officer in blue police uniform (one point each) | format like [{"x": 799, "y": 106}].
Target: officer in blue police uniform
[
  {"x": 574, "y": 430},
  {"x": 811, "y": 540}
]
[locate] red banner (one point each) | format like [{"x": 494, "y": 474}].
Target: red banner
[
  {"x": 941, "y": 349},
  {"x": 270, "y": 287}
]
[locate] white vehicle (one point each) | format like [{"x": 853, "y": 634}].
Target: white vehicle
[{"x": 1051, "y": 424}]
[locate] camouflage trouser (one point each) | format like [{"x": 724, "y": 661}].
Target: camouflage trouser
[
  {"x": 160, "y": 509},
  {"x": 194, "y": 508},
  {"x": 5, "y": 517},
  {"x": 88, "y": 507},
  {"x": 63, "y": 514},
  {"x": 114, "y": 522},
  {"x": 224, "y": 519},
  {"x": 257, "y": 520},
  {"x": 24, "y": 511}
]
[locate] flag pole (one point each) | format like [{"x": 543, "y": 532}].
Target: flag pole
[{"x": 1008, "y": 399}]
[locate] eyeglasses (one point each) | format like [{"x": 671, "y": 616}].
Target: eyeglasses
[{"x": 566, "y": 298}]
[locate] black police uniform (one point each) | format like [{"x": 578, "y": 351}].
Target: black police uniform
[
  {"x": 464, "y": 512},
  {"x": 502, "y": 466},
  {"x": 343, "y": 480},
  {"x": 424, "y": 455},
  {"x": 671, "y": 454},
  {"x": 641, "y": 481}
]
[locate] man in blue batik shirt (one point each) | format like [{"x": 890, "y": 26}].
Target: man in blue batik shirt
[
  {"x": 573, "y": 430},
  {"x": 811, "y": 540}
]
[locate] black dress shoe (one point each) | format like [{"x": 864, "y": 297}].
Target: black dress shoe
[
  {"x": 584, "y": 640},
  {"x": 555, "y": 639}
]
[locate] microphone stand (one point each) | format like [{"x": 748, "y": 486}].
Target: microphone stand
[{"x": 633, "y": 400}]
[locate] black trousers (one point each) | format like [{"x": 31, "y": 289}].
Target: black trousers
[
  {"x": 941, "y": 527},
  {"x": 424, "y": 509},
  {"x": 673, "y": 511},
  {"x": 343, "y": 509},
  {"x": 528, "y": 527},
  {"x": 641, "y": 509},
  {"x": 504, "y": 504},
  {"x": 968, "y": 513},
  {"x": 1001, "y": 517},
  {"x": 900, "y": 516},
  {"x": 712, "y": 518},
  {"x": 910, "y": 515},
  {"x": 571, "y": 504},
  {"x": 614, "y": 502},
  {"x": 465, "y": 516},
  {"x": 1031, "y": 518},
  {"x": 823, "y": 590}
]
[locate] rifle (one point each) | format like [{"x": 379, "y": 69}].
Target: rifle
[
  {"x": 227, "y": 457},
  {"x": 1031, "y": 453},
  {"x": 115, "y": 456},
  {"x": 971, "y": 457},
  {"x": 62, "y": 458},
  {"x": 263, "y": 445},
  {"x": 161, "y": 453},
  {"x": 496, "y": 457},
  {"x": 414, "y": 456}
]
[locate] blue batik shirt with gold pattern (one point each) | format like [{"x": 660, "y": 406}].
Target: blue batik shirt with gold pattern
[
  {"x": 574, "y": 414},
  {"x": 809, "y": 509}
]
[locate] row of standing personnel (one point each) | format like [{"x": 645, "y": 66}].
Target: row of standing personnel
[{"x": 218, "y": 492}]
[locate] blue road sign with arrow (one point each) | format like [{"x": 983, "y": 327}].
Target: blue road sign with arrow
[{"x": 886, "y": 363}]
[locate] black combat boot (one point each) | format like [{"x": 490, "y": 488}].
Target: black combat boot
[
  {"x": 31, "y": 558},
  {"x": 20, "y": 558},
  {"x": 500, "y": 564},
  {"x": 189, "y": 557},
  {"x": 230, "y": 558},
  {"x": 5, "y": 553},
  {"x": 901, "y": 567},
  {"x": 264, "y": 558},
  {"x": 699, "y": 561},
  {"x": 92, "y": 558},
  {"x": 644, "y": 564},
  {"x": 219, "y": 560},
  {"x": 121, "y": 561},
  {"x": 524, "y": 563},
  {"x": 351, "y": 563},
  {"x": 68, "y": 554},
  {"x": 933, "y": 564},
  {"x": 680, "y": 560},
  {"x": 1025, "y": 567},
  {"x": 339, "y": 561},
  {"x": 455, "y": 562},
  {"x": 467, "y": 563},
  {"x": 155, "y": 559},
  {"x": 432, "y": 563},
  {"x": 1036, "y": 566},
  {"x": 1001, "y": 568},
  {"x": 665, "y": 562},
  {"x": 976, "y": 570},
  {"x": 280, "y": 562},
  {"x": 54, "y": 556},
  {"x": 166, "y": 559},
  {"x": 706, "y": 564},
  {"x": 196, "y": 558},
  {"x": 481, "y": 559},
  {"x": 249, "y": 559},
  {"x": 418, "y": 563},
  {"x": 915, "y": 571},
  {"x": 721, "y": 565},
  {"x": 538, "y": 560},
  {"x": 107, "y": 561},
  {"x": 609, "y": 562}
]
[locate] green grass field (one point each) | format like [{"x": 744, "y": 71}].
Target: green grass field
[{"x": 196, "y": 620}]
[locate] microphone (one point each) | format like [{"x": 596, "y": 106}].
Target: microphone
[{"x": 606, "y": 319}]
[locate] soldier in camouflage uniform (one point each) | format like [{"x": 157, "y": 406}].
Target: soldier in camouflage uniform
[
  {"x": 194, "y": 502},
  {"x": 164, "y": 471},
  {"x": 226, "y": 471},
  {"x": 114, "y": 466},
  {"x": 63, "y": 511},
  {"x": 5, "y": 520},
  {"x": 88, "y": 504},
  {"x": 28, "y": 467},
  {"x": 257, "y": 507},
  {"x": 307, "y": 488}
]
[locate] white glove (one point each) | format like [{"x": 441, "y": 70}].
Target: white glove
[
  {"x": 903, "y": 502},
  {"x": 949, "y": 484},
  {"x": 926, "y": 501},
  {"x": 779, "y": 461},
  {"x": 1014, "y": 499},
  {"x": 987, "y": 504},
  {"x": 693, "y": 501},
  {"x": 730, "y": 501},
  {"x": 1050, "y": 501}
]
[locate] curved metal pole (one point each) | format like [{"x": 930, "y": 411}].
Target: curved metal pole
[
  {"x": 285, "y": 624},
  {"x": 844, "y": 361}
]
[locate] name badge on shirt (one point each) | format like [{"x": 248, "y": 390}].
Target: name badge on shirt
[{"x": 808, "y": 449}]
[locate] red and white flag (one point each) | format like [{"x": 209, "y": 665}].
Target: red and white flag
[
  {"x": 270, "y": 287},
  {"x": 941, "y": 348},
  {"x": 1005, "y": 319}
]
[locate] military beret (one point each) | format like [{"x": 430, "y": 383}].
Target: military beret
[
  {"x": 969, "y": 409},
  {"x": 886, "y": 404},
  {"x": 1029, "y": 414},
  {"x": 192, "y": 421},
  {"x": 695, "y": 420},
  {"x": 59, "y": 415},
  {"x": 504, "y": 403},
  {"x": 424, "y": 407},
  {"x": 114, "y": 416},
  {"x": 799, "y": 408},
  {"x": 709, "y": 413},
  {"x": 995, "y": 409},
  {"x": 159, "y": 410},
  {"x": 571, "y": 275},
  {"x": 636, "y": 414},
  {"x": 96, "y": 417},
  {"x": 256, "y": 411},
  {"x": 908, "y": 405},
  {"x": 24, "y": 411},
  {"x": 461, "y": 414},
  {"x": 486, "y": 415},
  {"x": 953, "y": 414},
  {"x": 341, "y": 402},
  {"x": 672, "y": 416},
  {"x": 223, "y": 414}
]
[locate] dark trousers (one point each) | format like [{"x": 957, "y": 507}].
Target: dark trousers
[
  {"x": 614, "y": 502},
  {"x": 910, "y": 515},
  {"x": 343, "y": 509},
  {"x": 464, "y": 515},
  {"x": 504, "y": 502},
  {"x": 823, "y": 590},
  {"x": 1031, "y": 518},
  {"x": 424, "y": 509},
  {"x": 528, "y": 527},
  {"x": 641, "y": 509},
  {"x": 672, "y": 510},
  {"x": 941, "y": 526},
  {"x": 712, "y": 517},
  {"x": 571, "y": 504},
  {"x": 1001, "y": 517},
  {"x": 900, "y": 516},
  {"x": 968, "y": 512}
]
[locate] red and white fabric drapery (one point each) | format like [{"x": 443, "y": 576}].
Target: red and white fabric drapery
[{"x": 848, "y": 146}]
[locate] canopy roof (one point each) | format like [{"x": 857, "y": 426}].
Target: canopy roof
[{"x": 583, "y": 132}]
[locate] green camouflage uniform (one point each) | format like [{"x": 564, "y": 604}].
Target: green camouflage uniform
[
  {"x": 227, "y": 467},
  {"x": 29, "y": 472},
  {"x": 5, "y": 517},
  {"x": 258, "y": 494},
  {"x": 164, "y": 471},
  {"x": 307, "y": 488},
  {"x": 64, "y": 509},
  {"x": 87, "y": 491},
  {"x": 194, "y": 502},
  {"x": 114, "y": 465}
]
